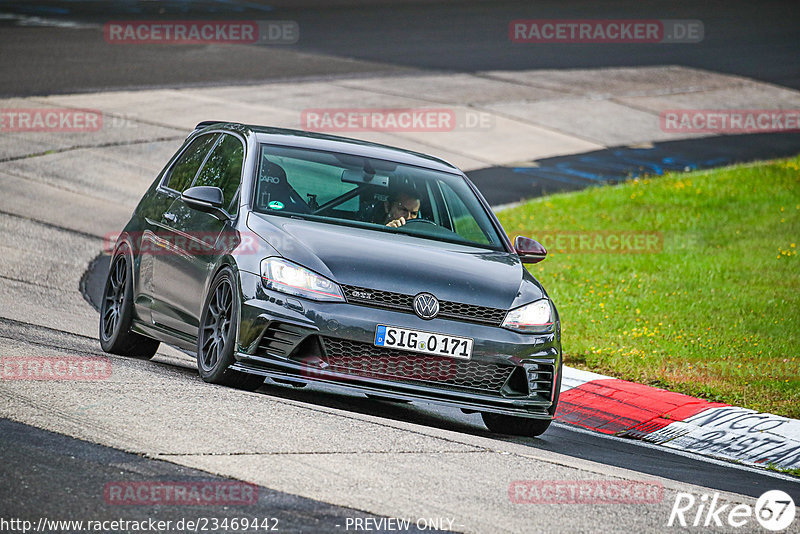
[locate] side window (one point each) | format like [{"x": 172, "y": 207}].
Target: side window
[
  {"x": 185, "y": 169},
  {"x": 223, "y": 169}
]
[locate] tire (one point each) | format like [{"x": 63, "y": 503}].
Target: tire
[
  {"x": 116, "y": 313},
  {"x": 216, "y": 338},
  {"x": 515, "y": 426}
]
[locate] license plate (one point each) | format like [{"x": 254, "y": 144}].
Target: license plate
[{"x": 424, "y": 342}]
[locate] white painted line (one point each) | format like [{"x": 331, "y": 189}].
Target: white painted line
[
  {"x": 679, "y": 452},
  {"x": 728, "y": 432},
  {"x": 736, "y": 434},
  {"x": 573, "y": 378}
]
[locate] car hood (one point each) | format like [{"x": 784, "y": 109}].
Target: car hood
[{"x": 400, "y": 263}]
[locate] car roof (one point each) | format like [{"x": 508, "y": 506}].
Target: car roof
[{"x": 332, "y": 143}]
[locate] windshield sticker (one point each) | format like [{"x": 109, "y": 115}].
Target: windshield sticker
[{"x": 275, "y": 205}]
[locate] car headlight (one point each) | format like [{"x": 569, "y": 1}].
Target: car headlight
[
  {"x": 533, "y": 318},
  {"x": 287, "y": 277}
]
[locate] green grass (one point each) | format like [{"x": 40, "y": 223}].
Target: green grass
[
  {"x": 715, "y": 313},
  {"x": 788, "y": 471}
]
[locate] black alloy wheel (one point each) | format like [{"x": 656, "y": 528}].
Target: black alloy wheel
[
  {"x": 216, "y": 340},
  {"x": 116, "y": 313}
]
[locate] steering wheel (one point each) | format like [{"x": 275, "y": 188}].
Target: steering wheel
[{"x": 420, "y": 221}]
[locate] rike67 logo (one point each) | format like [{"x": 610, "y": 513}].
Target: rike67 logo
[{"x": 774, "y": 511}]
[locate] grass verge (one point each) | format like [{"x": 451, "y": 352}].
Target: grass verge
[
  {"x": 787, "y": 471},
  {"x": 706, "y": 302}
]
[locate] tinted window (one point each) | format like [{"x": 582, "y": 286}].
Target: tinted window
[
  {"x": 319, "y": 183},
  {"x": 185, "y": 169},
  {"x": 223, "y": 169}
]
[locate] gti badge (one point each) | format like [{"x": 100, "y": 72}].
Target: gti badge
[{"x": 426, "y": 306}]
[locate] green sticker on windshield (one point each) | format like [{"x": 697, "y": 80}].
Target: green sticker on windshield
[{"x": 275, "y": 205}]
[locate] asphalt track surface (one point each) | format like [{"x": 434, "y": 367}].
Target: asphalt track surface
[
  {"x": 53, "y": 47},
  {"x": 47, "y": 473},
  {"x": 759, "y": 40},
  {"x": 39, "y": 472},
  {"x": 54, "y": 476},
  {"x": 504, "y": 185}
]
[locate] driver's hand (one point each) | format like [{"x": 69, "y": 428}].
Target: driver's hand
[{"x": 397, "y": 222}]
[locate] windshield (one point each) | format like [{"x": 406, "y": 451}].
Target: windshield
[{"x": 370, "y": 193}]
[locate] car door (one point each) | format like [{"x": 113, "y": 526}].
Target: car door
[
  {"x": 194, "y": 238},
  {"x": 178, "y": 176}
]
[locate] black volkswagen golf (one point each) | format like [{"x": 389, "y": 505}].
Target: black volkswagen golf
[{"x": 312, "y": 258}]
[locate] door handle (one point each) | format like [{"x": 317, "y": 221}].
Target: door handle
[{"x": 171, "y": 217}]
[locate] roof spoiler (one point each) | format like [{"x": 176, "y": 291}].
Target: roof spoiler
[{"x": 203, "y": 124}]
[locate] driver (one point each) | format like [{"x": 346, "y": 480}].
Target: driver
[{"x": 401, "y": 206}]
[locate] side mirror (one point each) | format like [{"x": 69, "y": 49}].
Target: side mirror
[
  {"x": 529, "y": 250},
  {"x": 207, "y": 199}
]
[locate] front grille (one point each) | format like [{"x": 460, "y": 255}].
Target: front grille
[
  {"x": 405, "y": 303},
  {"x": 363, "y": 359},
  {"x": 379, "y": 299},
  {"x": 471, "y": 313}
]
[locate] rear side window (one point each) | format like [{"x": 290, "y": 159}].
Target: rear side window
[
  {"x": 185, "y": 169},
  {"x": 223, "y": 169}
]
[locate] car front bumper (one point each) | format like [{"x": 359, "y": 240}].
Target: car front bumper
[{"x": 290, "y": 338}]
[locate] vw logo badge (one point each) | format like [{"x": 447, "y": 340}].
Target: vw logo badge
[{"x": 426, "y": 306}]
